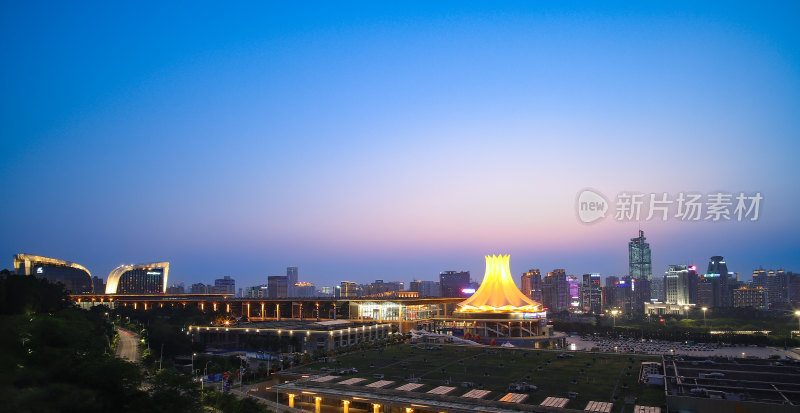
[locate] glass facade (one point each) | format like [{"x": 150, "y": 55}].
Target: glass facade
[{"x": 141, "y": 281}]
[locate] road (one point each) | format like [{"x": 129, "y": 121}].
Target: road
[{"x": 128, "y": 346}]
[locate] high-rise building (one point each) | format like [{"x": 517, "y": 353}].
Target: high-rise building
[
  {"x": 591, "y": 294},
  {"x": 555, "y": 291},
  {"x": 304, "y": 290},
  {"x": 347, "y": 289},
  {"x": 676, "y": 285},
  {"x": 713, "y": 288},
  {"x": 657, "y": 288},
  {"x": 755, "y": 297},
  {"x": 291, "y": 277},
  {"x": 639, "y": 257},
  {"x": 176, "y": 288},
  {"x": 257, "y": 291},
  {"x": 198, "y": 288},
  {"x": 693, "y": 281},
  {"x": 425, "y": 288},
  {"x": 452, "y": 283},
  {"x": 526, "y": 284},
  {"x": 574, "y": 294},
  {"x": 225, "y": 285},
  {"x": 535, "y": 277},
  {"x": 99, "y": 285},
  {"x": 138, "y": 279},
  {"x": 277, "y": 286},
  {"x": 75, "y": 277}
]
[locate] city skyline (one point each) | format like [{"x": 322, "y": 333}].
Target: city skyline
[{"x": 372, "y": 141}]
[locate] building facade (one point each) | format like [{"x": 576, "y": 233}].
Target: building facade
[
  {"x": 278, "y": 286},
  {"x": 148, "y": 278},
  {"x": 75, "y": 277},
  {"x": 555, "y": 291},
  {"x": 591, "y": 294},
  {"x": 755, "y": 297},
  {"x": 452, "y": 283},
  {"x": 676, "y": 285}
]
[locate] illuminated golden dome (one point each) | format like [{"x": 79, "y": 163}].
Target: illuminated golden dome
[{"x": 497, "y": 292}]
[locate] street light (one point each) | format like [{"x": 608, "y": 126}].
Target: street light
[
  {"x": 614, "y": 315},
  {"x": 704, "y": 317},
  {"x": 797, "y": 313},
  {"x": 686, "y": 311}
]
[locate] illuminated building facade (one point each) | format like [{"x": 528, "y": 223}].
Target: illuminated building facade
[
  {"x": 347, "y": 289},
  {"x": 75, "y": 277},
  {"x": 591, "y": 294},
  {"x": 755, "y": 297},
  {"x": 138, "y": 279},
  {"x": 676, "y": 285}
]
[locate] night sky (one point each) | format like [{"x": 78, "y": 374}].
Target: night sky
[{"x": 379, "y": 140}]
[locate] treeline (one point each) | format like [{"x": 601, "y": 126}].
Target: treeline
[{"x": 57, "y": 358}]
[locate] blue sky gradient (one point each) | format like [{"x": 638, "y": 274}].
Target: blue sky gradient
[{"x": 391, "y": 141}]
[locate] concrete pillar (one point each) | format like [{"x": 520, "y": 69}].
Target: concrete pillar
[
  {"x": 278, "y": 312},
  {"x": 291, "y": 400},
  {"x": 376, "y": 408},
  {"x": 345, "y": 406},
  {"x": 317, "y": 402}
]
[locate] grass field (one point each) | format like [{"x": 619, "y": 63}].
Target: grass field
[{"x": 595, "y": 377}]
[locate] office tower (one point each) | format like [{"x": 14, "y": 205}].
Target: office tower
[
  {"x": 415, "y": 285},
  {"x": 326, "y": 291},
  {"x": 713, "y": 289},
  {"x": 536, "y": 284},
  {"x": 676, "y": 286},
  {"x": 347, "y": 289},
  {"x": 591, "y": 294},
  {"x": 657, "y": 288},
  {"x": 526, "y": 284},
  {"x": 574, "y": 294},
  {"x": 639, "y": 257},
  {"x": 555, "y": 291},
  {"x": 100, "y": 285},
  {"x": 291, "y": 277},
  {"x": 278, "y": 286},
  {"x": 618, "y": 294},
  {"x": 198, "y": 288},
  {"x": 225, "y": 285},
  {"x": 453, "y": 282},
  {"x": 138, "y": 279},
  {"x": 755, "y": 297},
  {"x": 609, "y": 298},
  {"x": 693, "y": 282}
]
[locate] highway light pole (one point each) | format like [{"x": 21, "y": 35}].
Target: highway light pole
[{"x": 704, "y": 317}]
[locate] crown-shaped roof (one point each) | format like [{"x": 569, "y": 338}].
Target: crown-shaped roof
[{"x": 497, "y": 292}]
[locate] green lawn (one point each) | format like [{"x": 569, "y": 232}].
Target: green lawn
[{"x": 593, "y": 376}]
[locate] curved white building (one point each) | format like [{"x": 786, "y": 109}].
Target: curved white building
[
  {"x": 138, "y": 279},
  {"x": 75, "y": 277}
]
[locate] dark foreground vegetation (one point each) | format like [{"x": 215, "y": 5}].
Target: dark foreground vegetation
[{"x": 55, "y": 357}]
